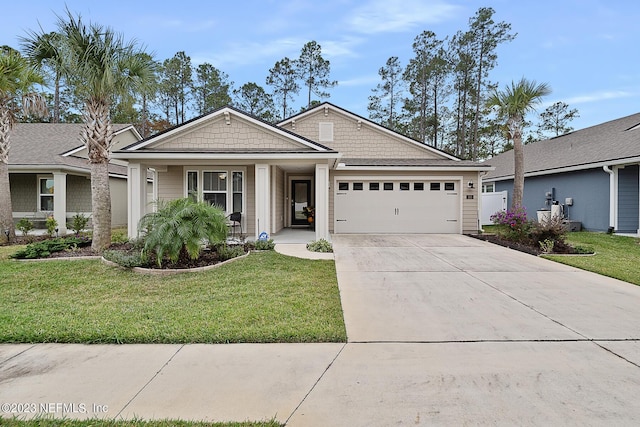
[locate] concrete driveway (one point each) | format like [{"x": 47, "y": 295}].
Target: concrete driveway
[{"x": 449, "y": 330}]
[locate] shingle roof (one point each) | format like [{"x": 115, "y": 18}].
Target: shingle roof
[
  {"x": 41, "y": 144},
  {"x": 610, "y": 142}
]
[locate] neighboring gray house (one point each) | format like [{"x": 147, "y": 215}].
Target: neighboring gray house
[
  {"x": 49, "y": 173},
  {"x": 593, "y": 173}
]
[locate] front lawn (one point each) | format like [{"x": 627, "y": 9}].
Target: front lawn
[
  {"x": 616, "y": 256},
  {"x": 265, "y": 297}
]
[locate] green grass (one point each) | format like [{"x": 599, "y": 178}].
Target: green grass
[
  {"x": 111, "y": 423},
  {"x": 616, "y": 256},
  {"x": 265, "y": 297}
]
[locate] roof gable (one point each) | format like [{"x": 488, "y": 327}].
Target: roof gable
[
  {"x": 613, "y": 142},
  {"x": 228, "y": 130},
  {"x": 357, "y": 137}
]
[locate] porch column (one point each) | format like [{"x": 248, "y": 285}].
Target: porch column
[
  {"x": 136, "y": 195},
  {"x": 60, "y": 201},
  {"x": 322, "y": 201},
  {"x": 263, "y": 199}
]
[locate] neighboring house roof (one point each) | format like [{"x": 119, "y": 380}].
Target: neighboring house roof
[
  {"x": 45, "y": 146},
  {"x": 610, "y": 143},
  {"x": 328, "y": 106}
]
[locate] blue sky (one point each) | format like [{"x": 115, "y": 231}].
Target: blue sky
[{"x": 586, "y": 50}]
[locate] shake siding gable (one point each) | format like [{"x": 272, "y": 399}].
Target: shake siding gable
[
  {"x": 238, "y": 135},
  {"x": 358, "y": 140}
]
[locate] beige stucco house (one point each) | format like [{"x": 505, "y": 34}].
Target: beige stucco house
[
  {"x": 358, "y": 176},
  {"x": 49, "y": 173}
]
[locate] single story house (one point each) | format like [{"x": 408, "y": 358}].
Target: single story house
[
  {"x": 593, "y": 174},
  {"x": 353, "y": 174},
  {"x": 49, "y": 173}
]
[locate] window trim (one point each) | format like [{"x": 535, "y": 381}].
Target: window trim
[{"x": 40, "y": 195}]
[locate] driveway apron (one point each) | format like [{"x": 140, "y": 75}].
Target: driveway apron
[{"x": 450, "y": 330}]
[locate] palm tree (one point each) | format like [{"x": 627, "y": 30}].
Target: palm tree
[
  {"x": 100, "y": 66},
  {"x": 513, "y": 104},
  {"x": 17, "y": 79}
]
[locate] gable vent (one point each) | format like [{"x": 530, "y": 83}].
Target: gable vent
[{"x": 325, "y": 132}]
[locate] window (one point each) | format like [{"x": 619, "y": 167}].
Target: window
[
  {"x": 418, "y": 186},
  {"x": 192, "y": 185},
  {"x": 449, "y": 186},
  {"x": 388, "y": 186},
  {"x": 45, "y": 194},
  {"x": 343, "y": 186},
  {"x": 374, "y": 186},
  {"x": 404, "y": 186},
  {"x": 223, "y": 188},
  {"x": 488, "y": 188},
  {"x": 237, "y": 192},
  {"x": 214, "y": 188},
  {"x": 434, "y": 186},
  {"x": 357, "y": 186}
]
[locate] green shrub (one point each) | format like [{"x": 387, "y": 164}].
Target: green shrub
[
  {"x": 51, "y": 225},
  {"x": 226, "y": 252},
  {"x": 78, "y": 223},
  {"x": 180, "y": 228},
  {"x": 552, "y": 230},
  {"x": 25, "y": 226},
  {"x": 119, "y": 236},
  {"x": 46, "y": 247},
  {"x": 126, "y": 259},
  {"x": 264, "y": 245},
  {"x": 321, "y": 245}
]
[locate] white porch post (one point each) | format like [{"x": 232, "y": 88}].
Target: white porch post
[
  {"x": 60, "y": 201},
  {"x": 137, "y": 196},
  {"x": 322, "y": 201},
  {"x": 263, "y": 198}
]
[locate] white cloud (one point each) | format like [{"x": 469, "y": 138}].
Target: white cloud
[
  {"x": 599, "y": 96},
  {"x": 380, "y": 16},
  {"x": 367, "y": 80}
]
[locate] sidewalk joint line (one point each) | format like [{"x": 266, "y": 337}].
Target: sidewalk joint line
[
  {"x": 315, "y": 384},
  {"x": 17, "y": 354},
  {"x": 149, "y": 382}
]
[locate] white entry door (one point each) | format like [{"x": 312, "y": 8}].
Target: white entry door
[{"x": 397, "y": 206}]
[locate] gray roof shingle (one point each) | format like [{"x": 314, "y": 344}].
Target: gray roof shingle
[
  {"x": 42, "y": 144},
  {"x": 610, "y": 142}
]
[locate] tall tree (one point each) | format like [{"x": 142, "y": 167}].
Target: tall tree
[
  {"x": 17, "y": 79},
  {"x": 384, "y": 102},
  {"x": 148, "y": 91},
  {"x": 512, "y": 105},
  {"x": 176, "y": 83},
  {"x": 555, "y": 119},
  {"x": 314, "y": 71},
  {"x": 486, "y": 36},
  {"x": 101, "y": 65},
  {"x": 461, "y": 52},
  {"x": 426, "y": 74},
  {"x": 211, "y": 88},
  {"x": 283, "y": 79},
  {"x": 45, "y": 51},
  {"x": 253, "y": 99}
]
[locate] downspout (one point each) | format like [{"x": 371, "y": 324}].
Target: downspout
[{"x": 613, "y": 196}]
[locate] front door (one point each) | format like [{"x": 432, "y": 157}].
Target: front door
[{"x": 300, "y": 199}]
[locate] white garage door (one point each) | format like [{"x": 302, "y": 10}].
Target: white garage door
[{"x": 397, "y": 206}]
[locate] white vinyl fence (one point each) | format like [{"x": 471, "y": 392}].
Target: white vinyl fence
[{"x": 492, "y": 203}]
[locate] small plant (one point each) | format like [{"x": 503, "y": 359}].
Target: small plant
[
  {"x": 119, "y": 236},
  {"x": 47, "y": 247},
  {"x": 226, "y": 252},
  {"x": 547, "y": 246},
  {"x": 78, "y": 223},
  {"x": 51, "y": 225},
  {"x": 321, "y": 245},
  {"x": 264, "y": 245},
  {"x": 25, "y": 226},
  {"x": 512, "y": 224},
  {"x": 126, "y": 259}
]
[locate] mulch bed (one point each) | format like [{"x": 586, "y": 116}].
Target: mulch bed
[{"x": 558, "y": 248}]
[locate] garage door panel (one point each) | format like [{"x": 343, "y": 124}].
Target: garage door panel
[{"x": 403, "y": 209}]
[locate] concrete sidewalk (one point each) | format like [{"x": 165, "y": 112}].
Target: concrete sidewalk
[{"x": 443, "y": 330}]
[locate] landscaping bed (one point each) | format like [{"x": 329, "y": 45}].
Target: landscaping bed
[{"x": 559, "y": 247}]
